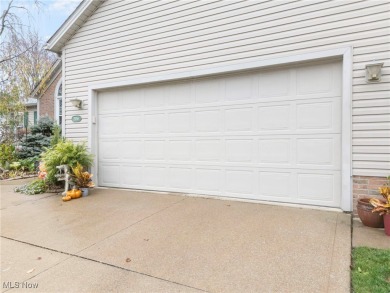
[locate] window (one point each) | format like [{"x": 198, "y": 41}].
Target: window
[{"x": 58, "y": 103}]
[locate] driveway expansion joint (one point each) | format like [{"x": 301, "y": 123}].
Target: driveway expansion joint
[{"x": 100, "y": 262}]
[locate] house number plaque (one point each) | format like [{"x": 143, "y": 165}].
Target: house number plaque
[{"x": 76, "y": 118}]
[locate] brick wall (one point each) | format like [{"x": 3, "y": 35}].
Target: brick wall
[
  {"x": 46, "y": 102},
  {"x": 366, "y": 186}
]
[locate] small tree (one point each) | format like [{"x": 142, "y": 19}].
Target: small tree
[{"x": 33, "y": 144}]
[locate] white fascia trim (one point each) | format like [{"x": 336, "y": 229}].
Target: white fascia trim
[
  {"x": 63, "y": 31},
  {"x": 345, "y": 53},
  {"x": 221, "y": 69}
]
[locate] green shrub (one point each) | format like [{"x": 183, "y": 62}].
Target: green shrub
[
  {"x": 29, "y": 164},
  {"x": 15, "y": 166},
  {"x": 45, "y": 126},
  {"x": 56, "y": 138},
  {"x": 65, "y": 152},
  {"x": 7, "y": 155},
  {"x": 33, "y": 144},
  {"x": 35, "y": 187}
]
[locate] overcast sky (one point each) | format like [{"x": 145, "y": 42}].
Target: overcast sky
[{"x": 49, "y": 17}]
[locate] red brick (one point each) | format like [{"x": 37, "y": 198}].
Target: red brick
[
  {"x": 46, "y": 101},
  {"x": 366, "y": 186}
]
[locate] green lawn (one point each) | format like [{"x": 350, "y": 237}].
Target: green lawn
[{"x": 370, "y": 270}]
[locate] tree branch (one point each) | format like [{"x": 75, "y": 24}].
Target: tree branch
[{"x": 16, "y": 56}]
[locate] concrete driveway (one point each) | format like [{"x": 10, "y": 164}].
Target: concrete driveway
[{"x": 128, "y": 241}]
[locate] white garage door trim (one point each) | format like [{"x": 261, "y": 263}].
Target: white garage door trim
[{"x": 345, "y": 53}]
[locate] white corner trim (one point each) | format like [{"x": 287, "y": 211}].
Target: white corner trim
[
  {"x": 346, "y": 131},
  {"x": 344, "y": 52},
  {"x": 63, "y": 134}
]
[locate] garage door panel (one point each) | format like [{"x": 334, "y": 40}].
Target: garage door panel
[
  {"x": 238, "y": 88},
  {"x": 275, "y": 151},
  {"x": 181, "y": 178},
  {"x": 240, "y": 150},
  {"x": 155, "y": 177},
  {"x": 155, "y": 96},
  {"x": 110, "y": 125},
  {"x": 322, "y": 152},
  {"x": 208, "y": 180},
  {"x": 130, "y": 150},
  {"x": 107, "y": 150},
  {"x": 268, "y": 135},
  {"x": 208, "y": 150},
  {"x": 179, "y": 94},
  {"x": 239, "y": 119},
  {"x": 299, "y": 151},
  {"x": 319, "y": 115},
  {"x": 108, "y": 174},
  {"x": 132, "y": 124},
  {"x": 267, "y": 81},
  {"x": 319, "y": 187},
  {"x": 154, "y": 150},
  {"x": 274, "y": 117},
  {"x": 155, "y": 123},
  {"x": 179, "y": 122},
  {"x": 180, "y": 150},
  {"x": 277, "y": 184},
  {"x": 240, "y": 182},
  {"x": 208, "y": 90},
  {"x": 131, "y": 99},
  {"x": 131, "y": 175},
  {"x": 208, "y": 121},
  {"x": 315, "y": 79}
]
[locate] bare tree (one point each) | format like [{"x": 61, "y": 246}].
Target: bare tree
[
  {"x": 24, "y": 63},
  {"x": 23, "y": 66},
  {"x": 10, "y": 21}
]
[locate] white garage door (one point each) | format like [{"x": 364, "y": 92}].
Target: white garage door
[{"x": 270, "y": 135}]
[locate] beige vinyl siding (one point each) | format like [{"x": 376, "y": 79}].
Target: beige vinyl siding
[{"x": 126, "y": 39}]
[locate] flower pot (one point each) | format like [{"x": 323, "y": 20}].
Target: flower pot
[
  {"x": 386, "y": 219},
  {"x": 368, "y": 218},
  {"x": 84, "y": 191}
]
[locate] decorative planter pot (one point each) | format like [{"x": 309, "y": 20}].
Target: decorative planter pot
[
  {"x": 368, "y": 218},
  {"x": 386, "y": 219},
  {"x": 84, "y": 191}
]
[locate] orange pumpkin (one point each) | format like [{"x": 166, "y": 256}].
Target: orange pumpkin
[
  {"x": 66, "y": 198},
  {"x": 73, "y": 193},
  {"x": 77, "y": 193}
]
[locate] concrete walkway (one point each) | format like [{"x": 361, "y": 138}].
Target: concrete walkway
[
  {"x": 369, "y": 237},
  {"x": 126, "y": 241}
]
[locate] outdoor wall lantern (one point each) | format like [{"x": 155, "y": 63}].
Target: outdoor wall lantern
[
  {"x": 373, "y": 72},
  {"x": 76, "y": 102}
]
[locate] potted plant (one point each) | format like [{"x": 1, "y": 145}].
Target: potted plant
[
  {"x": 383, "y": 207},
  {"x": 368, "y": 218},
  {"x": 82, "y": 179}
]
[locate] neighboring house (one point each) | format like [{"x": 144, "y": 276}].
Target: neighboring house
[
  {"x": 50, "y": 96},
  {"x": 257, "y": 100},
  {"x": 30, "y": 116}
]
